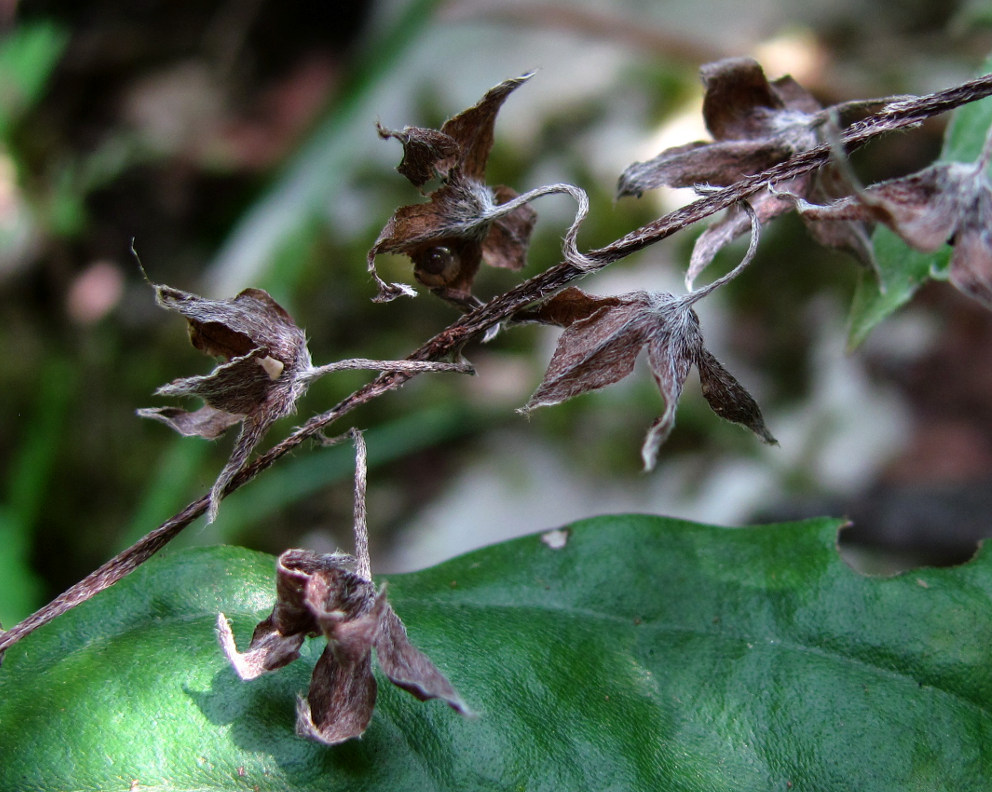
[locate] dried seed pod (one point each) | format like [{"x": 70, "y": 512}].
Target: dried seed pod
[
  {"x": 602, "y": 339},
  {"x": 266, "y": 368},
  {"x": 462, "y": 214},
  {"x": 755, "y": 123},
  {"x": 333, "y": 595}
]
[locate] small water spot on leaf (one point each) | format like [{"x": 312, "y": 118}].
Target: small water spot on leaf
[{"x": 556, "y": 539}]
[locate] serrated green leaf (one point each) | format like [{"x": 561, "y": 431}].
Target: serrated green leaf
[
  {"x": 645, "y": 654},
  {"x": 901, "y": 269}
]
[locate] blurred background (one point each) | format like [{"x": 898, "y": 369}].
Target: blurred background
[{"x": 235, "y": 141}]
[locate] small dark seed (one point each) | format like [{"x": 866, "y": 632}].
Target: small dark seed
[{"x": 438, "y": 260}]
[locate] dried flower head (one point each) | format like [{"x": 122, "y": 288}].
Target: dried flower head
[
  {"x": 604, "y": 335},
  {"x": 950, "y": 202},
  {"x": 601, "y": 342},
  {"x": 755, "y": 124},
  {"x": 333, "y": 595},
  {"x": 264, "y": 371},
  {"x": 465, "y": 221},
  {"x": 266, "y": 368}
]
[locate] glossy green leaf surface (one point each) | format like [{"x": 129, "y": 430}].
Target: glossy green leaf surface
[
  {"x": 645, "y": 654},
  {"x": 901, "y": 269}
]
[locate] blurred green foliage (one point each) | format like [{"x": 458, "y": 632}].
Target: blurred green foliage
[{"x": 27, "y": 56}]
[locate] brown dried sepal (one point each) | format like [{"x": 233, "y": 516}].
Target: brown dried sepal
[
  {"x": 449, "y": 236},
  {"x": 570, "y": 305},
  {"x": 601, "y": 342},
  {"x": 324, "y": 595},
  {"x": 265, "y": 368},
  {"x": 755, "y": 124},
  {"x": 946, "y": 203}
]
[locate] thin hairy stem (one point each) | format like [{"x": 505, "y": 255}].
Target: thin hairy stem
[
  {"x": 364, "y": 562},
  {"x": 408, "y": 366},
  {"x": 570, "y": 249},
  {"x": 752, "y": 249}
]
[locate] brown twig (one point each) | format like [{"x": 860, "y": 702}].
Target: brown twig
[
  {"x": 631, "y": 33},
  {"x": 902, "y": 115}
]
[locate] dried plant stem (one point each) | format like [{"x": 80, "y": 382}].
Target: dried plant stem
[
  {"x": 897, "y": 116},
  {"x": 363, "y": 566},
  {"x": 752, "y": 249},
  {"x": 570, "y": 248},
  {"x": 113, "y": 570},
  {"x": 408, "y": 366}
]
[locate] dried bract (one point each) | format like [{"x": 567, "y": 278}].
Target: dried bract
[
  {"x": 266, "y": 369},
  {"x": 462, "y": 224},
  {"x": 602, "y": 339},
  {"x": 333, "y": 595},
  {"x": 755, "y": 124},
  {"x": 946, "y": 203},
  {"x": 325, "y": 595}
]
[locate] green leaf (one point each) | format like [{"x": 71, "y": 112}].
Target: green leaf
[
  {"x": 645, "y": 654},
  {"x": 901, "y": 269}
]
